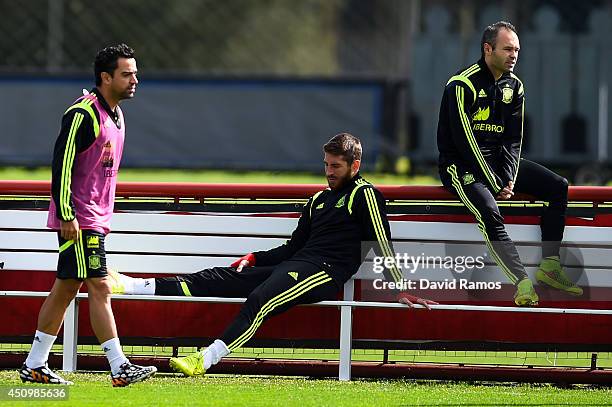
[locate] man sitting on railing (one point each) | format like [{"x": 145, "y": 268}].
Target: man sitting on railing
[
  {"x": 480, "y": 133},
  {"x": 324, "y": 252}
]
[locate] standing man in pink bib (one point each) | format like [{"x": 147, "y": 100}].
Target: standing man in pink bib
[{"x": 86, "y": 160}]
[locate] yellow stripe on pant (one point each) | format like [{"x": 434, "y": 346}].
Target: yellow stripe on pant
[
  {"x": 66, "y": 245},
  {"x": 80, "y": 257},
  {"x": 308, "y": 284},
  {"x": 452, "y": 170},
  {"x": 185, "y": 289}
]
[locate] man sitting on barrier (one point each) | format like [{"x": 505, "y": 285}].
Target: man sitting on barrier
[
  {"x": 480, "y": 132},
  {"x": 323, "y": 253}
]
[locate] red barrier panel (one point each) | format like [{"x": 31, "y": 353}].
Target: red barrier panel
[
  {"x": 276, "y": 191},
  {"x": 189, "y": 320}
]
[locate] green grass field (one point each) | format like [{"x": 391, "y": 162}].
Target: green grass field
[
  {"x": 232, "y": 390},
  {"x": 218, "y": 176},
  {"x": 94, "y": 389}
]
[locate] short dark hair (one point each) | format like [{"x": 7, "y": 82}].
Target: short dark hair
[
  {"x": 345, "y": 145},
  {"x": 489, "y": 35},
  {"x": 106, "y": 60}
]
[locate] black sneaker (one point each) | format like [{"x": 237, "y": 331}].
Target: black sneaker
[
  {"x": 41, "y": 375},
  {"x": 130, "y": 373}
]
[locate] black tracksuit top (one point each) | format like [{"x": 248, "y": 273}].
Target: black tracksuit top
[
  {"x": 480, "y": 128},
  {"x": 331, "y": 229}
]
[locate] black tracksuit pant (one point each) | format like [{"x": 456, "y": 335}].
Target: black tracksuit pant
[
  {"x": 532, "y": 179},
  {"x": 270, "y": 290}
]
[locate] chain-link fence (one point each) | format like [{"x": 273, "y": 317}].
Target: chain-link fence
[
  {"x": 199, "y": 36},
  {"x": 269, "y": 37}
]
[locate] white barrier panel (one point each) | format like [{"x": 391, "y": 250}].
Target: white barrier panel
[{"x": 179, "y": 243}]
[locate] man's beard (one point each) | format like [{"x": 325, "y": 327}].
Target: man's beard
[
  {"x": 339, "y": 182},
  {"x": 127, "y": 95}
]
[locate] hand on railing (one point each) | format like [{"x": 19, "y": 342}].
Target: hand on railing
[{"x": 410, "y": 300}]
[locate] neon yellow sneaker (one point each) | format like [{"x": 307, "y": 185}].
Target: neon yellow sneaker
[
  {"x": 117, "y": 287},
  {"x": 192, "y": 365},
  {"x": 525, "y": 295},
  {"x": 551, "y": 273}
]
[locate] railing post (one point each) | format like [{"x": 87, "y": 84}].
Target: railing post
[
  {"x": 71, "y": 334},
  {"x": 346, "y": 332}
]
